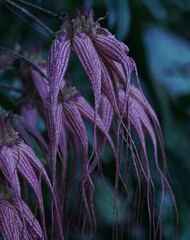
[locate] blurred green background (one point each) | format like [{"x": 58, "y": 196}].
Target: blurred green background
[{"x": 157, "y": 33}]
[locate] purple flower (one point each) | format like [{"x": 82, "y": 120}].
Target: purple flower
[
  {"x": 119, "y": 111},
  {"x": 12, "y": 224},
  {"x": 17, "y": 158}
]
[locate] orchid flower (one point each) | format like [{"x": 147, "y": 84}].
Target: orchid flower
[
  {"x": 18, "y": 158},
  {"x": 121, "y": 116},
  {"x": 11, "y": 221}
]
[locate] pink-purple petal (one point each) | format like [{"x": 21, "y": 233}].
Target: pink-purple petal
[{"x": 89, "y": 58}]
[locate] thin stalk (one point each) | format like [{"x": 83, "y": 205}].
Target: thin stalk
[
  {"x": 43, "y": 10},
  {"x": 30, "y": 16},
  {"x": 22, "y": 58}
]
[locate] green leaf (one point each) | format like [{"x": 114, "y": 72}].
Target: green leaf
[
  {"x": 168, "y": 57},
  {"x": 119, "y": 17}
]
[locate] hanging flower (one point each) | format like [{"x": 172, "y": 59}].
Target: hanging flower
[
  {"x": 12, "y": 224},
  {"x": 18, "y": 158}
]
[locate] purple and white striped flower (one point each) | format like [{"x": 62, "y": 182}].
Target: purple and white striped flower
[
  {"x": 118, "y": 108},
  {"x": 12, "y": 224},
  {"x": 17, "y": 159}
]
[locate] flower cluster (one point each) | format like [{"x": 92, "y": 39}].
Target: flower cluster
[{"x": 121, "y": 119}]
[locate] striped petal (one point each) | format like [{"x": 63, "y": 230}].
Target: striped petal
[
  {"x": 58, "y": 58},
  {"x": 74, "y": 118},
  {"x": 10, "y": 223},
  {"x": 88, "y": 56},
  {"x": 108, "y": 88},
  {"x": 8, "y": 166},
  {"x": 32, "y": 223},
  {"x": 106, "y": 113},
  {"x": 26, "y": 170},
  {"x": 42, "y": 85},
  {"x": 34, "y": 161},
  {"x": 114, "y": 51}
]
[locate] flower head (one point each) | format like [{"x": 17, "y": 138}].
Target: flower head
[
  {"x": 119, "y": 111},
  {"x": 17, "y": 158},
  {"x": 12, "y": 224}
]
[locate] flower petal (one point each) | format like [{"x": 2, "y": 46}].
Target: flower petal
[
  {"x": 57, "y": 64},
  {"x": 33, "y": 224},
  {"x": 88, "y": 56},
  {"x": 74, "y": 118},
  {"x": 10, "y": 223}
]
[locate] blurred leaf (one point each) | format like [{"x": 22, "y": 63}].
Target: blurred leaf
[
  {"x": 183, "y": 4},
  {"x": 168, "y": 58},
  {"x": 156, "y": 9},
  {"x": 119, "y": 17},
  {"x": 104, "y": 201}
]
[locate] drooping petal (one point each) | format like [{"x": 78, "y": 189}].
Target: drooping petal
[
  {"x": 108, "y": 88},
  {"x": 34, "y": 161},
  {"x": 88, "y": 113},
  {"x": 152, "y": 116},
  {"x": 88, "y": 56},
  {"x": 54, "y": 120},
  {"x": 111, "y": 47},
  {"x": 39, "y": 168},
  {"x": 10, "y": 223},
  {"x": 57, "y": 64},
  {"x": 106, "y": 113},
  {"x": 63, "y": 144},
  {"x": 31, "y": 221},
  {"x": 42, "y": 86},
  {"x": 26, "y": 170},
  {"x": 74, "y": 118},
  {"x": 8, "y": 168},
  {"x": 138, "y": 119},
  {"x": 112, "y": 50},
  {"x": 118, "y": 69},
  {"x": 58, "y": 58}
]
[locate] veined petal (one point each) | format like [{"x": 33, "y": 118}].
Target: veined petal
[
  {"x": 88, "y": 56},
  {"x": 10, "y": 223},
  {"x": 106, "y": 113},
  {"x": 33, "y": 224},
  {"x": 42, "y": 86},
  {"x": 26, "y": 170},
  {"x": 118, "y": 69},
  {"x": 113, "y": 50},
  {"x": 57, "y": 64},
  {"x": 88, "y": 113},
  {"x": 63, "y": 144},
  {"x": 54, "y": 118},
  {"x": 39, "y": 168},
  {"x": 150, "y": 112},
  {"x": 108, "y": 89},
  {"x": 74, "y": 118},
  {"x": 37, "y": 165},
  {"x": 8, "y": 168},
  {"x": 111, "y": 47}
]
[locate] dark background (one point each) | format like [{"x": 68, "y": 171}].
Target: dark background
[{"x": 158, "y": 36}]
